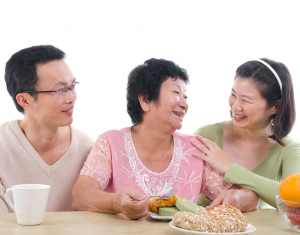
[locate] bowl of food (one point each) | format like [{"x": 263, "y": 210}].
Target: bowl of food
[
  {"x": 288, "y": 201},
  {"x": 290, "y": 212}
]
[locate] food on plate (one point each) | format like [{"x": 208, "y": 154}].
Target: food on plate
[
  {"x": 172, "y": 205},
  {"x": 221, "y": 219},
  {"x": 156, "y": 202},
  {"x": 186, "y": 205},
  {"x": 167, "y": 211},
  {"x": 289, "y": 190}
]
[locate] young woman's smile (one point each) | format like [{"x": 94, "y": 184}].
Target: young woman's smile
[{"x": 249, "y": 109}]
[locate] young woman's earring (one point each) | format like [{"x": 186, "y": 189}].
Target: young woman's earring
[{"x": 272, "y": 122}]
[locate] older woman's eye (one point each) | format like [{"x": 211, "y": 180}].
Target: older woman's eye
[
  {"x": 177, "y": 92},
  {"x": 233, "y": 95}
]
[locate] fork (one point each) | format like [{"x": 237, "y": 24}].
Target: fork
[{"x": 166, "y": 196}]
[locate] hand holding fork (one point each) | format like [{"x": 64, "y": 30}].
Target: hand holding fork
[{"x": 166, "y": 196}]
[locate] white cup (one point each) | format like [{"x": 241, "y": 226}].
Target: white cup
[{"x": 30, "y": 202}]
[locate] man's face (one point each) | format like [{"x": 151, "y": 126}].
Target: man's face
[{"x": 49, "y": 109}]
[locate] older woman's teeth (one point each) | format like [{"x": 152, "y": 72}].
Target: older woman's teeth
[
  {"x": 239, "y": 116},
  {"x": 178, "y": 114}
]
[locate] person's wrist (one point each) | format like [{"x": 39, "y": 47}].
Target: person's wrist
[
  {"x": 226, "y": 167},
  {"x": 116, "y": 202}
]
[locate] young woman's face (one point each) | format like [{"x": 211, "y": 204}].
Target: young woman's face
[
  {"x": 249, "y": 109},
  {"x": 172, "y": 104}
]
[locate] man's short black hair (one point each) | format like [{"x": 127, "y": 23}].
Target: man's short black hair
[
  {"x": 20, "y": 71},
  {"x": 146, "y": 80}
]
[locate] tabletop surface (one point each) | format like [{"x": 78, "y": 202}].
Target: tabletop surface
[{"x": 58, "y": 223}]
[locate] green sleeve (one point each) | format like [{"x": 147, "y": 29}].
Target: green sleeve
[
  {"x": 265, "y": 188},
  {"x": 291, "y": 161}
]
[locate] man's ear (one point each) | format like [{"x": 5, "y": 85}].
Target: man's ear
[
  {"x": 23, "y": 100},
  {"x": 275, "y": 108},
  {"x": 144, "y": 103}
]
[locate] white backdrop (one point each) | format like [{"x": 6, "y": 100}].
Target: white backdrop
[{"x": 105, "y": 40}]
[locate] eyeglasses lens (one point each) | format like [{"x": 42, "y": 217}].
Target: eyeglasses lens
[
  {"x": 64, "y": 91},
  {"x": 73, "y": 88}
]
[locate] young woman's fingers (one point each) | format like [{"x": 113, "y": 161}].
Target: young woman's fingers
[
  {"x": 200, "y": 155},
  {"x": 200, "y": 146},
  {"x": 216, "y": 202},
  {"x": 206, "y": 142},
  {"x": 230, "y": 200}
]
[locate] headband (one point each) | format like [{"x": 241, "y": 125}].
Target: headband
[{"x": 273, "y": 71}]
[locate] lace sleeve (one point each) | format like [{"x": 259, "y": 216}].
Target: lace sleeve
[
  {"x": 98, "y": 162},
  {"x": 213, "y": 182}
]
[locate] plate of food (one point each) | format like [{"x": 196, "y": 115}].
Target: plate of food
[
  {"x": 221, "y": 219},
  {"x": 165, "y": 209},
  {"x": 250, "y": 229},
  {"x": 159, "y": 217}
]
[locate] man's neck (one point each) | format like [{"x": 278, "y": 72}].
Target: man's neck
[{"x": 49, "y": 142}]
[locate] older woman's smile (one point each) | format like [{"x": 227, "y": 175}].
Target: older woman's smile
[{"x": 181, "y": 114}]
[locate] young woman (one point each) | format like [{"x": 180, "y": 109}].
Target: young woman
[
  {"x": 148, "y": 158},
  {"x": 252, "y": 149}
]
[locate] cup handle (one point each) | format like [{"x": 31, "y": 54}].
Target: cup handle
[{"x": 7, "y": 198}]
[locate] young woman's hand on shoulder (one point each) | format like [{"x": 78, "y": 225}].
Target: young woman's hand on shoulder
[{"x": 212, "y": 154}]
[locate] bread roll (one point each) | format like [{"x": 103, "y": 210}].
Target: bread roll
[{"x": 221, "y": 219}]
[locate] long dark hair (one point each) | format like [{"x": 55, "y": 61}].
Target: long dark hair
[{"x": 267, "y": 84}]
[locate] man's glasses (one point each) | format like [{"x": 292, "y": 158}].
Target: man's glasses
[{"x": 59, "y": 92}]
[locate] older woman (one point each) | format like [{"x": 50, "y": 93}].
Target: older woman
[
  {"x": 148, "y": 158},
  {"x": 253, "y": 150}
]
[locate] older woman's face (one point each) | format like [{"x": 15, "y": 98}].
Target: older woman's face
[
  {"x": 172, "y": 104},
  {"x": 248, "y": 107}
]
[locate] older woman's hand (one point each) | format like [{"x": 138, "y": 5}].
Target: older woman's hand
[
  {"x": 243, "y": 199},
  {"x": 133, "y": 210},
  {"x": 212, "y": 154}
]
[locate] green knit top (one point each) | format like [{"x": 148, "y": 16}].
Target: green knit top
[{"x": 265, "y": 179}]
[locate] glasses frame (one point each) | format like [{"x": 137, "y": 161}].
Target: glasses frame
[{"x": 65, "y": 89}]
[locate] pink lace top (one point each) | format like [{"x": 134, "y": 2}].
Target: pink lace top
[{"x": 115, "y": 165}]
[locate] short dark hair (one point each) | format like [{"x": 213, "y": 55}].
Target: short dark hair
[
  {"x": 269, "y": 88},
  {"x": 20, "y": 71},
  {"x": 146, "y": 80}
]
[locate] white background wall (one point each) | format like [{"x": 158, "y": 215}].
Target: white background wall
[{"x": 105, "y": 40}]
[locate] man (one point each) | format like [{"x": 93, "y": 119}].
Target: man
[{"x": 42, "y": 148}]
